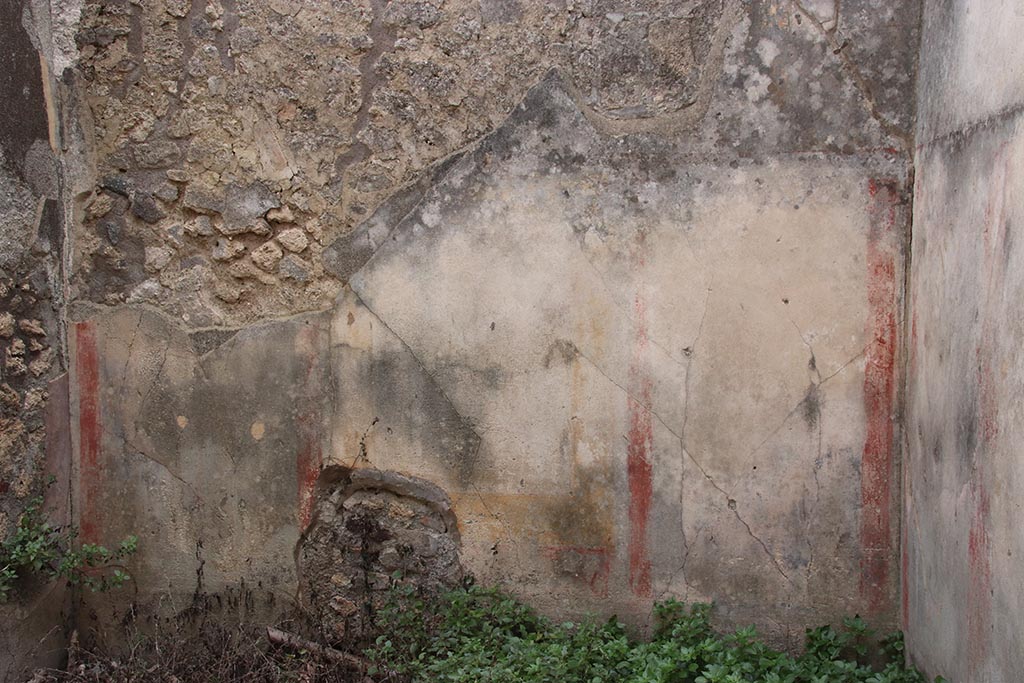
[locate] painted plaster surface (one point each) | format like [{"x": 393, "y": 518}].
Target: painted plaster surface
[
  {"x": 635, "y": 377},
  {"x": 203, "y": 445},
  {"x": 681, "y": 381},
  {"x": 616, "y": 285},
  {"x": 963, "y": 587}
]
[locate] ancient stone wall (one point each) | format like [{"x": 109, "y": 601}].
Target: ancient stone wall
[
  {"x": 34, "y": 440},
  {"x": 622, "y": 278}
]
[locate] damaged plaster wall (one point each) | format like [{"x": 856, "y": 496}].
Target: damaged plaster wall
[
  {"x": 671, "y": 388},
  {"x": 622, "y": 278},
  {"x": 236, "y": 140},
  {"x": 34, "y": 439},
  {"x": 963, "y": 599}
]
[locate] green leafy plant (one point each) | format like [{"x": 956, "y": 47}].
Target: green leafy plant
[
  {"x": 480, "y": 634},
  {"x": 38, "y": 548}
]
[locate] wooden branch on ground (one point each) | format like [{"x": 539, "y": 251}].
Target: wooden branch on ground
[{"x": 294, "y": 642}]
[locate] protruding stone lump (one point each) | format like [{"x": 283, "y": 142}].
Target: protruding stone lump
[
  {"x": 6, "y": 325},
  {"x": 293, "y": 239},
  {"x": 200, "y": 226},
  {"x": 267, "y": 256},
  {"x": 226, "y": 249},
  {"x": 157, "y": 258},
  {"x": 281, "y": 215},
  {"x": 294, "y": 268}
]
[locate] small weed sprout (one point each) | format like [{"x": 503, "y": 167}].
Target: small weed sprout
[{"x": 38, "y": 548}]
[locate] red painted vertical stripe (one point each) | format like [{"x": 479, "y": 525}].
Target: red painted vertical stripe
[
  {"x": 638, "y": 461},
  {"x": 988, "y": 403},
  {"x": 89, "y": 431},
  {"x": 308, "y": 461},
  {"x": 979, "y": 588},
  {"x": 879, "y": 391},
  {"x": 309, "y": 456}
]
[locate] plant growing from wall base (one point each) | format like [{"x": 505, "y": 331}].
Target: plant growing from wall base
[
  {"x": 38, "y": 548},
  {"x": 478, "y": 635}
]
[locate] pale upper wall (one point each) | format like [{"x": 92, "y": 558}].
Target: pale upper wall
[{"x": 972, "y": 64}]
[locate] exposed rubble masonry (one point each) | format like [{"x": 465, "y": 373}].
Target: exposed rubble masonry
[{"x": 638, "y": 452}]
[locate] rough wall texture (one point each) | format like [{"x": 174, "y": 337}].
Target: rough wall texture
[
  {"x": 233, "y": 141},
  {"x": 963, "y": 601},
  {"x": 621, "y": 278},
  {"x": 33, "y": 392},
  {"x": 367, "y": 526}
]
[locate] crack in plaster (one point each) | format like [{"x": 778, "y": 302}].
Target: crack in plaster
[
  {"x": 501, "y": 522},
  {"x": 363, "y": 455},
  {"x": 134, "y": 448},
  {"x": 734, "y": 508},
  {"x": 628, "y": 393},
  {"x": 817, "y": 500},
  {"x": 412, "y": 354},
  {"x": 681, "y": 570},
  {"x": 847, "y": 364},
  {"x": 682, "y": 442},
  {"x": 810, "y": 347},
  {"x": 859, "y": 81},
  {"x": 800, "y": 405},
  {"x": 689, "y": 363},
  {"x": 971, "y": 128},
  {"x": 128, "y": 358},
  {"x": 98, "y": 310},
  {"x": 156, "y": 377}
]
